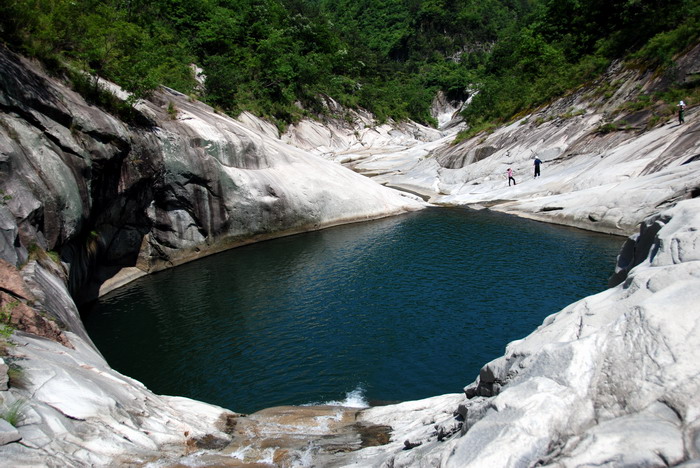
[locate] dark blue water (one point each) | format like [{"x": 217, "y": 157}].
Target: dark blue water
[{"x": 396, "y": 309}]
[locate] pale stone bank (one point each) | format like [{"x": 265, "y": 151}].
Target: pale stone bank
[
  {"x": 611, "y": 380},
  {"x": 601, "y": 169}
]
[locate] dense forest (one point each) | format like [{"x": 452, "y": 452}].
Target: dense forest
[{"x": 277, "y": 58}]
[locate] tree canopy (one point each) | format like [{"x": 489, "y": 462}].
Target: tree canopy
[{"x": 277, "y": 58}]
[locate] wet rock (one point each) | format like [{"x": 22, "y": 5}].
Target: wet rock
[
  {"x": 209, "y": 442},
  {"x": 289, "y": 433},
  {"x": 373, "y": 435}
]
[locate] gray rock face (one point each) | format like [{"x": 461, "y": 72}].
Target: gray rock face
[
  {"x": 131, "y": 198},
  {"x": 160, "y": 191},
  {"x": 611, "y": 380},
  {"x": 591, "y": 179},
  {"x": 4, "y": 379},
  {"x": 8, "y": 433},
  {"x": 10, "y": 248}
]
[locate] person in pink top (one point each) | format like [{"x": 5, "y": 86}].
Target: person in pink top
[{"x": 509, "y": 172}]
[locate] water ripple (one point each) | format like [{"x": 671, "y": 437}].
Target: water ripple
[{"x": 403, "y": 308}]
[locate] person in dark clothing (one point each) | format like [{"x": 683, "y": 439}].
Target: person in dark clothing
[
  {"x": 537, "y": 167},
  {"x": 681, "y": 112}
]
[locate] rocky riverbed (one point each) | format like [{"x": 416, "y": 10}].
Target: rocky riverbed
[
  {"x": 609, "y": 380},
  {"x": 602, "y": 168}
]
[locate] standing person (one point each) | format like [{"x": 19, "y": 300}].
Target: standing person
[
  {"x": 509, "y": 172},
  {"x": 681, "y": 110},
  {"x": 537, "y": 166}
]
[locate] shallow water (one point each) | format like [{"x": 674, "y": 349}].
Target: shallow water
[{"x": 396, "y": 309}]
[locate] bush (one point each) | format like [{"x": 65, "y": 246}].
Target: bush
[
  {"x": 6, "y": 327},
  {"x": 661, "y": 49},
  {"x": 613, "y": 127}
]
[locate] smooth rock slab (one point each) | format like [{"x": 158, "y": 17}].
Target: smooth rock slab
[
  {"x": 611, "y": 380},
  {"x": 8, "y": 433}
]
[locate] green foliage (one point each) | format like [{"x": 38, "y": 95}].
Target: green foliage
[
  {"x": 172, "y": 111},
  {"x": 54, "y": 256},
  {"x": 664, "y": 104},
  {"x": 13, "y": 412},
  {"x": 4, "y": 197},
  {"x": 613, "y": 127},
  {"x": 16, "y": 376},
  {"x": 6, "y": 326},
  {"x": 567, "y": 43},
  {"x": 89, "y": 87},
  {"x": 475, "y": 129},
  {"x": 38, "y": 254},
  {"x": 103, "y": 38},
  {"x": 277, "y": 58},
  {"x": 573, "y": 112},
  {"x": 661, "y": 48},
  {"x": 642, "y": 101}
]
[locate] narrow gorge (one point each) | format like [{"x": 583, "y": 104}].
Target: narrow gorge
[{"x": 92, "y": 201}]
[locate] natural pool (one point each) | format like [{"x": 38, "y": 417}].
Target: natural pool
[{"x": 390, "y": 310}]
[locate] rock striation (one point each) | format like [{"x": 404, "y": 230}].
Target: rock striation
[
  {"x": 174, "y": 182},
  {"x": 605, "y": 167},
  {"x": 610, "y": 380},
  {"x": 89, "y": 200}
]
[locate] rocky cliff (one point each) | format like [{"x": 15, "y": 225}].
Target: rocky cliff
[
  {"x": 611, "y": 155},
  {"x": 611, "y": 380},
  {"x": 178, "y": 182},
  {"x": 90, "y": 200}
]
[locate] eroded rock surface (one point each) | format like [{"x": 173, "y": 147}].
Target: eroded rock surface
[
  {"x": 177, "y": 182},
  {"x": 602, "y": 170},
  {"x": 88, "y": 201},
  {"x": 610, "y": 380},
  {"x": 292, "y": 436}
]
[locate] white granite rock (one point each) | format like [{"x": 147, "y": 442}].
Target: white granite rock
[
  {"x": 8, "y": 433},
  {"x": 80, "y": 408},
  {"x": 170, "y": 188},
  {"x": 611, "y": 380},
  {"x": 74, "y": 410},
  {"x": 607, "y": 182}
]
